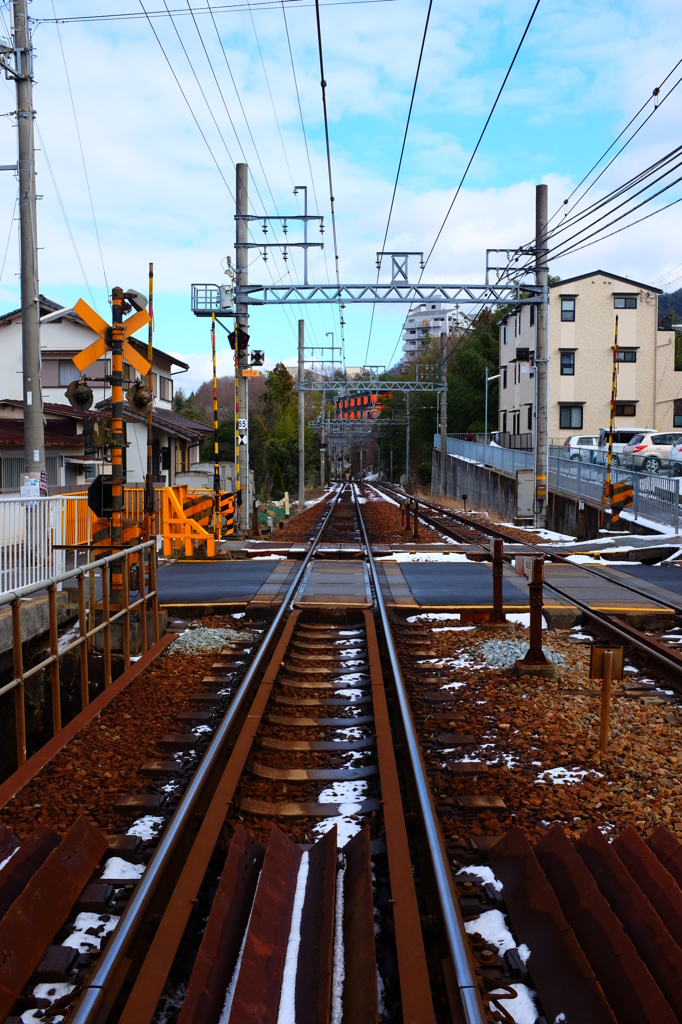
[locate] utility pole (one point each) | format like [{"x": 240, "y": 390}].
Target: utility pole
[
  {"x": 301, "y": 416},
  {"x": 149, "y": 482},
  {"x": 322, "y": 404},
  {"x": 444, "y": 414},
  {"x": 541, "y": 359},
  {"x": 242, "y": 324},
  {"x": 407, "y": 441},
  {"x": 34, "y": 432}
]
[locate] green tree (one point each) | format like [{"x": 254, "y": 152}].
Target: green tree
[{"x": 277, "y": 483}]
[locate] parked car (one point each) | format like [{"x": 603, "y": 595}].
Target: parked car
[
  {"x": 650, "y": 452},
  {"x": 581, "y": 448},
  {"x": 621, "y": 437},
  {"x": 675, "y": 459}
]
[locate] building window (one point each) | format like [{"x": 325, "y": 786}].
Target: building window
[
  {"x": 571, "y": 417},
  {"x": 166, "y": 389},
  {"x": 568, "y": 309},
  {"x": 68, "y": 372},
  {"x": 504, "y": 376},
  {"x": 677, "y": 412},
  {"x": 504, "y": 334},
  {"x": 504, "y": 423},
  {"x": 626, "y": 409},
  {"x": 625, "y": 303},
  {"x": 515, "y": 326},
  {"x": 628, "y": 355},
  {"x": 532, "y": 315},
  {"x": 568, "y": 364},
  {"x": 530, "y": 414}
]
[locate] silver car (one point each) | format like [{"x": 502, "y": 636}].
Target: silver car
[
  {"x": 650, "y": 452},
  {"x": 581, "y": 448}
]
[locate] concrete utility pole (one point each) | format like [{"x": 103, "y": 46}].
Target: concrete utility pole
[
  {"x": 242, "y": 360},
  {"x": 322, "y": 405},
  {"x": 301, "y": 415},
  {"x": 541, "y": 359},
  {"x": 34, "y": 432},
  {"x": 444, "y": 415},
  {"x": 407, "y": 440}
]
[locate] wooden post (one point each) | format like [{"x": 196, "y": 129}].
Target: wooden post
[
  {"x": 605, "y": 701},
  {"x": 107, "y": 628},
  {"x": 415, "y": 520},
  {"x": 408, "y": 525},
  {"x": 19, "y": 689},
  {"x": 54, "y": 667},
  {"x": 155, "y": 598},
  {"x": 143, "y": 606},
  {"x": 83, "y": 649},
  {"x": 125, "y": 579}
]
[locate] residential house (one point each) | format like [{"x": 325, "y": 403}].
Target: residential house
[
  {"x": 582, "y": 315},
  {"x": 176, "y": 440}
]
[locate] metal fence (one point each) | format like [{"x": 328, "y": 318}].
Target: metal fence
[
  {"x": 33, "y": 534},
  {"x": 142, "y": 557},
  {"x": 654, "y": 497}
]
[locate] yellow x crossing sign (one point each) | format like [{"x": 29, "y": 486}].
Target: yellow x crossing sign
[{"x": 95, "y": 351}]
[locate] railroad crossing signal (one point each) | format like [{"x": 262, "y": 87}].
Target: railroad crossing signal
[{"x": 98, "y": 348}]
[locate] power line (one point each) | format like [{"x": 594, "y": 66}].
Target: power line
[
  {"x": 657, "y": 105},
  {"x": 323, "y": 85},
  {"x": 189, "y": 106},
  {"x": 480, "y": 138},
  {"x": 9, "y": 237},
  {"x": 400, "y": 163},
  {"x": 66, "y": 219},
  {"x": 180, "y": 12},
  {"x": 80, "y": 146}
]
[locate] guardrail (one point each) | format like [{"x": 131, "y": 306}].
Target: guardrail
[
  {"x": 86, "y": 635},
  {"x": 654, "y": 497}
]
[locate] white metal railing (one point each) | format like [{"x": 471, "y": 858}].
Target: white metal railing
[
  {"x": 32, "y": 534},
  {"x": 654, "y": 497}
]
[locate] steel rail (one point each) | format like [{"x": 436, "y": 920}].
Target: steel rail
[
  {"x": 452, "y": 922},
  {"x": 671, "y": 663},
  {"x": 554, "y": 556},
  {"x": 90, "y": 1003}
]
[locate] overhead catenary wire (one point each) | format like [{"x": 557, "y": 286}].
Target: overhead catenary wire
[
  {"x": 400, "y": 162},
  {"x": 64, "y": 214},
  {"x": 80, "y": 146},
  {"x": 323, "y": 85},
  {"x": 9, "y": 237}
]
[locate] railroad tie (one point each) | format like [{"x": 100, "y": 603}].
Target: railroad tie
[
  {"x": 28, "y": 927},
  {"x": 652, "y": 940},
  {"x": 656, "y": 883},
  {"x": 632, "y": 993},
  {"x": 562, "y": 974}
]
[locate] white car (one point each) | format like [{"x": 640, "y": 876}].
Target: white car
[
  {"x": 581, "y": 448},
  {"x": 621, "y": 437},
  {"x": 675, "y": 460},
  {"x": 650, "y": 452}
]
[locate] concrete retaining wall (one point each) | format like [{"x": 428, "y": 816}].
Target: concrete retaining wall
[{"x": 487, "y": 489}]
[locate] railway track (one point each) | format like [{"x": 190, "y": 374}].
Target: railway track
[
  {"x": 613, "y": 628},
  {"x": 307, "y": 871}
]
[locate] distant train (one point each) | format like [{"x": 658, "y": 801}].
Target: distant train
[{"x": 366, "y": 405}]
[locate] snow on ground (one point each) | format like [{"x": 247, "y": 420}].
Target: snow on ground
[
  {"x": 522, "y": 1009},
  {"x": 424, "y": 556},
  {"x": 492, "y": 927},
  {"x": 348, "y": 796},
  {"x": 380, "y": 496},
  {"x": 483, "y": 872},
  {"x": 116, "y": 867},
  {"x": 566, "y": 776},
  {"x": 523, "y": 619},
  {"x": 434, "y": 617},
  {"x": 146, "y": 828},
  {"x": 89, "y": 930}
]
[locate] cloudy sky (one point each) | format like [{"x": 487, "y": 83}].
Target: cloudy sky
[{"x": 164, "y": 193}]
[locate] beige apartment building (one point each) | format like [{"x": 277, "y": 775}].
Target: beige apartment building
[{"x": 582, "y": 316}]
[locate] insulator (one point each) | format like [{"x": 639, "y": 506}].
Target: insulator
[
  {"x": 285, "y": 227},
  {"x": 285, "y": 255},
  {"x": 265, "y": 227}
]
